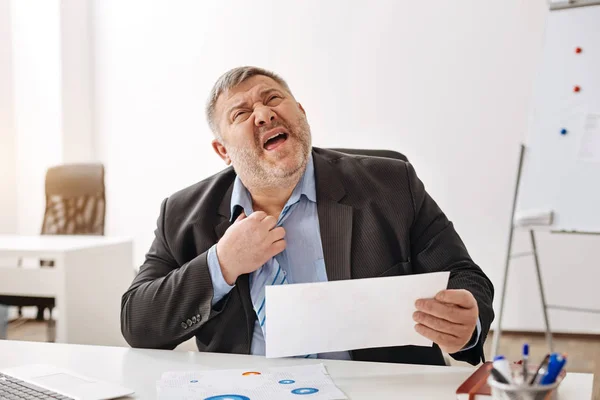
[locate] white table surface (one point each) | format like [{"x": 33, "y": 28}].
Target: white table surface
[
  {"x": 140, "y": 369},
  {"x": 54, "y": 243}
]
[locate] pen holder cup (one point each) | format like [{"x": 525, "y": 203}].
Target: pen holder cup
[{"x": 502, "y": 391}]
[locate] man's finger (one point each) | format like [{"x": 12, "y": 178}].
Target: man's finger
[
  {"x": 240, "y": 217},
  {"x": 438, "y": 324},
  {"x": 276, "y": 248},
  {"x": 270, "y": 221},
  {"x": 277, "y": 234},
  {"x": 444, "y": 311},
  {"x": 440, "y": 338},
  {"x": 259, "y": 215},
  {"x": 460, "y": 297}
]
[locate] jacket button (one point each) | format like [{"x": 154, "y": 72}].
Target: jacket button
[
  {"x": 194, "y": 320},
  {"x": 184, "y": 325},
  {"x": 199, "y": 317},
  {"x": 189, "y": 322}
]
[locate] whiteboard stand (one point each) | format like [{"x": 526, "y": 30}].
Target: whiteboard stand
[
  {"x": 534, "y": 253},
  {"x": 510, "y": 256}
]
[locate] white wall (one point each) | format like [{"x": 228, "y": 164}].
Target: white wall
[
  {"x": 447, "y": 83},
  {"x": 51, "y": 96},
  {"x": 76, "y": 81},
  {"x": 36, "y": 69},
  {"x": 8, "y": 174}
]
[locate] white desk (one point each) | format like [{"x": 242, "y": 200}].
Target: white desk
[
  {"x": 90, "y": 275},
  {"x": 140, "y": 369}
]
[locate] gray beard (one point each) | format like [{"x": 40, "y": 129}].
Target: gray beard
[{"x": 257, "y": 175}]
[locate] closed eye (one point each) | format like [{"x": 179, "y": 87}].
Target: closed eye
[
  {"x": 274, "y": 99},
  {"x": 239, "y": 114}
]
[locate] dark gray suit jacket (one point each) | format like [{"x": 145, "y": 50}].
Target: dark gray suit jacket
[{"x": 376, "y": 219}]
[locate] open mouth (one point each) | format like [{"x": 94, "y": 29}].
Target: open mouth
[{"x": 275, "y": 140}]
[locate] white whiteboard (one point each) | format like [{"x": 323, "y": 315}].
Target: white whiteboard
[{"x": 561, "y": 172}]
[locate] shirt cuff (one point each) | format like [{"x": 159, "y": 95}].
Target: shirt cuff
[
  {"x": 475, "y": 339},
  {"x": 220, "y": 286}
]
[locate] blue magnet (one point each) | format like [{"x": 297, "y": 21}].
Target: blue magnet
[
  {"x": 287, "y": 381},
  {"x": 228, "y": 397},
  {"x": 302, "y": 391},
  {"x": 563, "y": 131}
]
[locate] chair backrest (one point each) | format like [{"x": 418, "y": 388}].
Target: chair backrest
[
  {"x": 75, "y": 200},
  {"x": 374, "y": 153}
]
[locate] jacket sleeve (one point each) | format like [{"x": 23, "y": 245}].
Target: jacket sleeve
[
  {"x": 436, "y": 246},
  {"x": 166, "y": 303}
]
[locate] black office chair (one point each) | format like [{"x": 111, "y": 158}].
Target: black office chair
[{"x": 374, "y": 153}]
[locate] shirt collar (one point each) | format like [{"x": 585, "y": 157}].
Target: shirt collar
[{"x": 240, "y": 197}]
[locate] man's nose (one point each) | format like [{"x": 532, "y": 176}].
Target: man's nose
[{"x": 264, "y": 116}]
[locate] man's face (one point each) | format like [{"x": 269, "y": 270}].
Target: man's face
[{"x": 264, "y": 132}]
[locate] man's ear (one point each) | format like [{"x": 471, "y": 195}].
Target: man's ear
[
  {"x": 221, "y": 151},
  {"x": 302, "y": 108}
]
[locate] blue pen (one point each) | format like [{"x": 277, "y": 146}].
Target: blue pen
[
  {"x": 555, "y": 365},
  {"x": 525, "y": 359}
]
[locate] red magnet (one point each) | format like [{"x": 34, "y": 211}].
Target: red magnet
[
  {"x": 576, "y": 89},
  {"x": 578, "y": 50}
]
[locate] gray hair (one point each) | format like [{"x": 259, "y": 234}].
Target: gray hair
[{"x": 231, "y": 79}]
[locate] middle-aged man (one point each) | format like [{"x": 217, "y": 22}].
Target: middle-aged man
[{"x": 290, "y": 213}]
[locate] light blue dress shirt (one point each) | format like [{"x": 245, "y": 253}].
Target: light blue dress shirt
[{"x": 301, "y": 261}]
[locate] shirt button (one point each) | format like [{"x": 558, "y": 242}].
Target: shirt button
[
  {"x": 194, "y": 320},
  {"x": 189, "y": 322},
  {"x": 184, "y": 325}
]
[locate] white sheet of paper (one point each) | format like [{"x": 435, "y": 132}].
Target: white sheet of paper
[
  {"x": 589, "y": 148},
  {"x": 275, "y": 383},
  {"x": 344, "y": 315}
]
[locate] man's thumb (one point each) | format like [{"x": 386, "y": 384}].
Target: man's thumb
[{"x": 240, "y": 217}]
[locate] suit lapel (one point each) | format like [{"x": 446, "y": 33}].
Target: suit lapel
[
  {"x": 243, "y": 282},
  {"x": 224, "y": 212},
  {"x": 221, "y": 227},
  {"x": 335, "y": 220}
]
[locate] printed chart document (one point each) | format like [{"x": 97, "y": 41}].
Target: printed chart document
[
  {"x": 311, "y": 318},
  {"x": 273, "y": 383}
]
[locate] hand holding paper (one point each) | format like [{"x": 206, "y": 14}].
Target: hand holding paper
[
  {"x": 449, "y": 319},
  {"x": 346, "y": 315}
]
